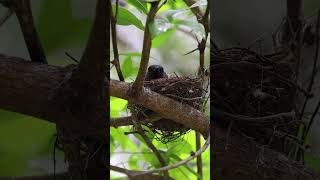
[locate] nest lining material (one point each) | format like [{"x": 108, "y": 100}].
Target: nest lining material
[
  {"x": 186, "y": 90},
  {"x": 253, "y": 85}
]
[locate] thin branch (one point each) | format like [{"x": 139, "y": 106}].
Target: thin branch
[
  {"x": 311, "y": 121},
  {"x": 151, "y": 146},
  {"x": 314, "y": 68},
  {"x": 199, "y": 159},
  {"x": 126, "y": 121},
  {"x": 4, "y": 18},
  {"x": 180, "y": 163},
  {"x": 204, "y": 20},
  {"x": 115, "y": 62},
  {"x": 22, "y": 9},
  {"x": 123, "y": 170},
  {"x": 137, "y": 86},
  {"x": 164, "y": 106},
  {"x": 131, "y": 172},
  {"x": 196, "y": 10},
  {"x": 72, "y": 58},
  {"x": 237, "y": 117}
]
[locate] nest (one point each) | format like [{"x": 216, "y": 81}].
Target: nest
[
  {"x": 182, "y": 89},
  {"x": 253, "y": 85}
]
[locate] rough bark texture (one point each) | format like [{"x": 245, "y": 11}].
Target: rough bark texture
[
  {"x": 236, "y": 157},
  {"x": 166, "y": 107},
  {"x": 30, "y": 88}
]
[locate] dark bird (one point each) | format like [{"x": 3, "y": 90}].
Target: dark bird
[{"x": 155, "y": 72}]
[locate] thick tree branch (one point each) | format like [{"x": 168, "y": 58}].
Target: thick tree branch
[
  {"x": 87, "y": 102},
  {"x": 92, "y": 67},
  {"x": 30, "y": 88},
  {"x": 61, "y": 176},
  {"x": 166, "y": 107},
  {"x": 22, "y": 9}
]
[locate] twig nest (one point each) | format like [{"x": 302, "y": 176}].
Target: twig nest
[
  {"x": 254, "y": 85},
  {"x": 186, "y": 90}
]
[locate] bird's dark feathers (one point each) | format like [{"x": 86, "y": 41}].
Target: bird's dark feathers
[{"x": 155, "y": 72}]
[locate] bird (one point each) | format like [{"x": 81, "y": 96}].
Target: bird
[{"x": 155, "y": 72}]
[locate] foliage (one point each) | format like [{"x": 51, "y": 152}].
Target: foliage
[{"x": 130, "y": 150}]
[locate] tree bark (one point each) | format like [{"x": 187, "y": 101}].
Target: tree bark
[{"x": 237, "y": 157}]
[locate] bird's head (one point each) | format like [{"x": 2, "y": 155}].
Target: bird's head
[{"x": 155, "y": 72}]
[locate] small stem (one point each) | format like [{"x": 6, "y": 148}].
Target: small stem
[
  {"x": 22, "y": 9},
  {"x": 137, "y": 86},
  {"x": 199, "y": 159},
  {"x": 115, "y": 62},
  {"x": 152, "y": 147}
]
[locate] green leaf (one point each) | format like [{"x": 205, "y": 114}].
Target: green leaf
[
  {"x": 122, "y": 139},
  {"x": 133, "y": 161},
  {"x": 128, "y": 67},
  {"x": 179, "y": 147},
  {"x": 159, "y": 26},
  {"x": 119, "y": 137},
  {"x": 140, "y": 5},
  {"x": 126, "y": 18},
  {"x": 116, "y": 106},
  {"x": 152, "y": 159},
  {"x": 162, "y": 38},
  {"x": 185, "y": 165},
  {"x": 13, "y": 164}
]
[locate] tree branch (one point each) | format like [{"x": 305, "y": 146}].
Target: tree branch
[
  {"x": 199, "y": 159},
  {"x": 244, "y": 159},
  {"x": 152, "y": 147},
  {"x": 115, "y": 62},
  {"x": 126, "y": 121},
  {"x": 136, "y": 174},
  {"x": 204, "y": 20},
  {"x": 4, "y": 18},
  {"x": 87, "y": 101},
  {"x": 22, "y": 9},
  {"x": 137, "y": 86},
  {"x": 92, "y": 67},
  {"x": 132, "y": 172},
  {"x": 180, "y": 163},
  {"x": 23, "y": 82},
  {"x": 166, "y": 107},
  {"x": 61, "y": 176}
]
